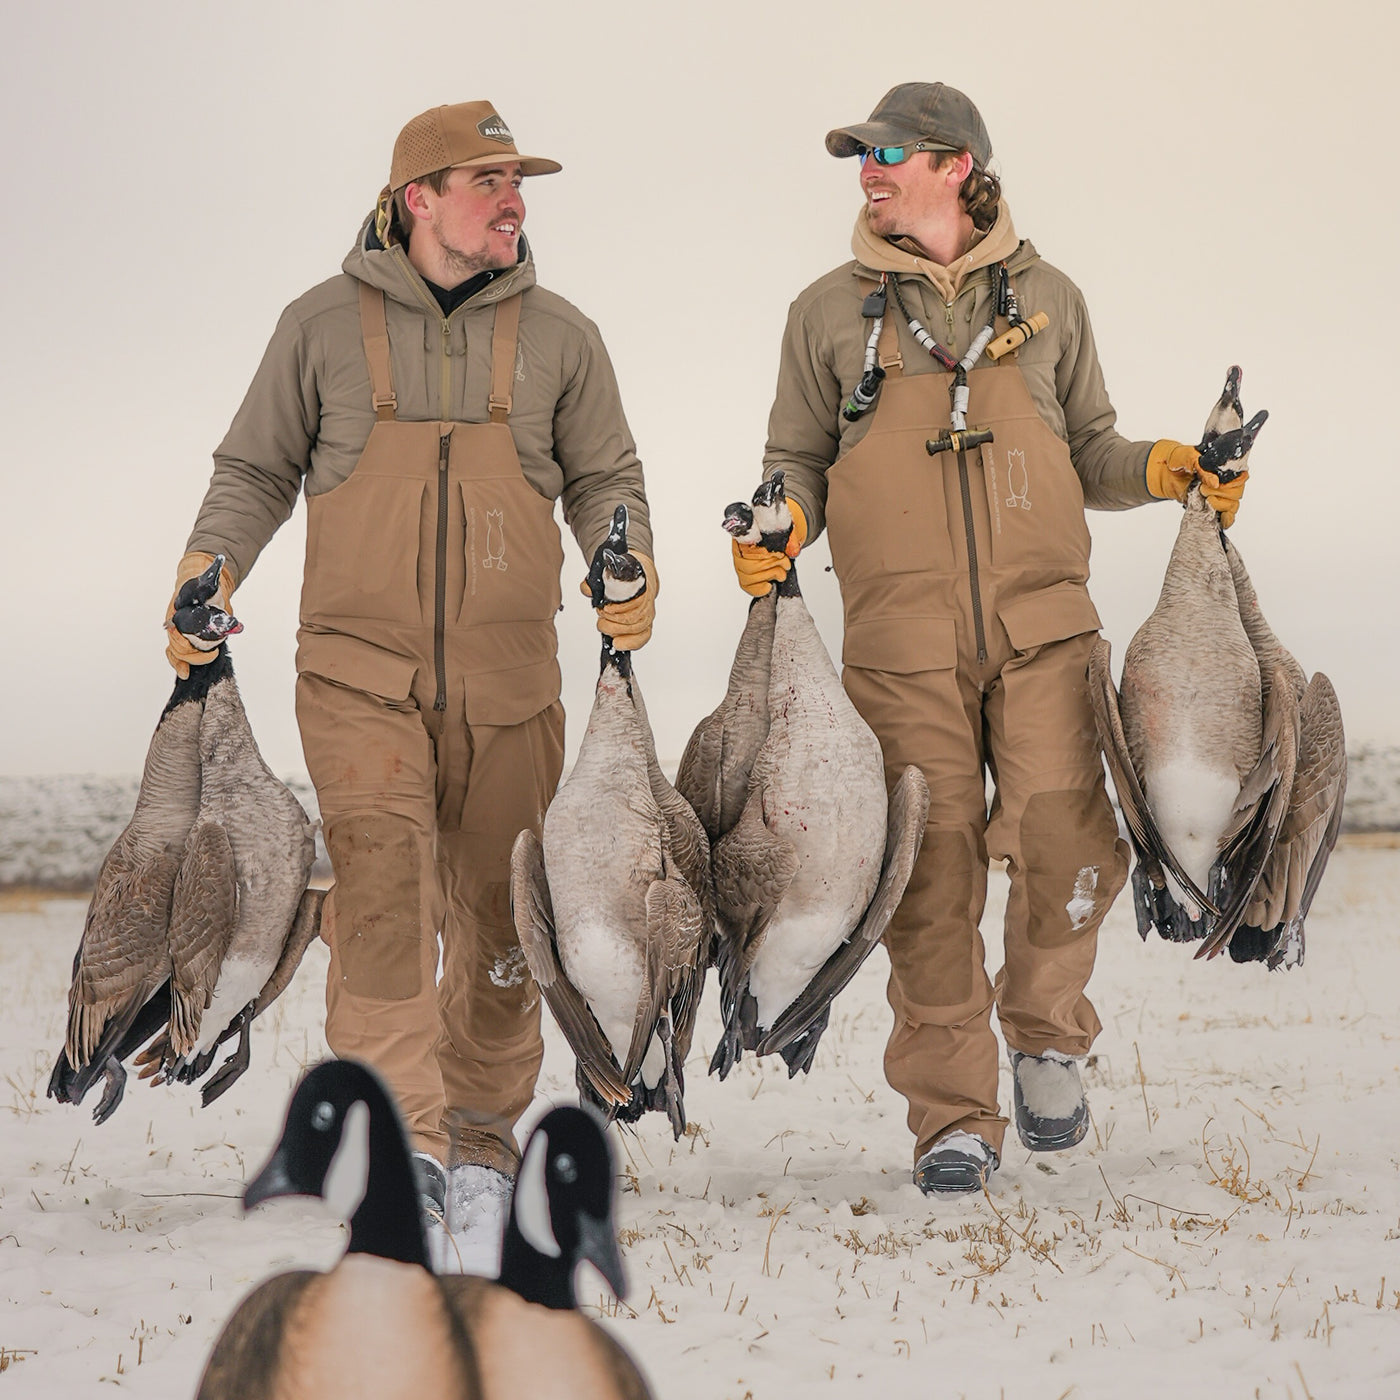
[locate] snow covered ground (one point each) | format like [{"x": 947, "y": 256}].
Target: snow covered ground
[{"x": 1229, "y": 1229}]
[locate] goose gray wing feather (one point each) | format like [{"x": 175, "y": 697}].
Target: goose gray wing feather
[
  {"x": 1314, "y": 817},
  {"x": 1152, "y": 849},
  {"x": 245, "y": 1358},
  {"x": 1259, "y": 813},
  {"x": 533, "y": 913},
  {"x": 123, "y": 956},
  {"x": 698, "y": 777},
  {"x": 753, "y": 869},
  {"x": 203, "y": 914},
  {"x": 306, "y": 926},
  {"x": 680, "y": 930},
  {"x": 904, "y": 834}
]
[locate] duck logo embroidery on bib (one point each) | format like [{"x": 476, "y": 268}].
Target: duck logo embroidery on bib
[
  {"x": 495, "y": 541},
  {"x": 1018, "y": 480}
]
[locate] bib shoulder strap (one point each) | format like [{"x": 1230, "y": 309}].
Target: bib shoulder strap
[
  {"x": 887, "y": 348},
  {"x": 375, "y": 330},
  {"x": 504, "y": 336}
]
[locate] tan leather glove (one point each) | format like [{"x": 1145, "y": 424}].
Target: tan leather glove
[
  {"x": 1223, "y": 497},
  {"x": 1171, "y": 468},
  {"x": 629, "y": 623},
  {"x": 759, "y": 568},
  {"x": 180, "y": 652}
]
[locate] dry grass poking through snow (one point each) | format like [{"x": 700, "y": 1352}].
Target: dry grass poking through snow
[{"x": 1229, "y": 1228}]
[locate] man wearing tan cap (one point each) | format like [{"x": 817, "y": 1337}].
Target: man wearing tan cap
[
  {"x": 433, "y": 402},
  {"x": 948, "y": 438}
]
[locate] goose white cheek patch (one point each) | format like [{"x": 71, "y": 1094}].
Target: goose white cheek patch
[
  {"x": 531, "y": 1202},
  {"x": 348, "y": 1177}
]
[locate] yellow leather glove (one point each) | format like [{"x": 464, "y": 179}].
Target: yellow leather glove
[
  {"x": 758, "y": 568},
  {"x": 629, "y": 623},
  {"x": 180, "y": 652},
  {"x": 1223, "y": 497},
  {"x": 1171, "y": 468}
]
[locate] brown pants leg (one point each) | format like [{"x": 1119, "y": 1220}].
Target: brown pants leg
[
  {"x": 1051, "y": 820},
  {"x": 1054, "y": 825},
  {"x": 489, "y": 1006},
  {"x": 942, "y": 1052},
  {"x": 374, "y": 768}
]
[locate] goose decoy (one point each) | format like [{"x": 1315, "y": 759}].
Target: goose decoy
[
  {"x": 809, "y": 876},
  {"x": 121, "y": 989},
  {"x": 242, "y": 914},
  {"x": 1272, "y": 929},
  {"x": 613, "y": 907},
  {"x": 380, "y": 1323},
  {"x": 1202, "y": 748}
]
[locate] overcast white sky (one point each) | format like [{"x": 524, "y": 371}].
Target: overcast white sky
[{"x": 1217, "y": 177}]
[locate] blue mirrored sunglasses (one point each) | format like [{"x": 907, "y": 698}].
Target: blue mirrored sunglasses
[{"x": 895, "y": 155}]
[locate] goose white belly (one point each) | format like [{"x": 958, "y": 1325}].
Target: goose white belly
[
  {"x": 602, "y": 849},
  {"x": 1192, "y": 801}
]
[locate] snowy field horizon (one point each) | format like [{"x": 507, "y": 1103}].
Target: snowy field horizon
[{"x": 1227, "y": 1229}]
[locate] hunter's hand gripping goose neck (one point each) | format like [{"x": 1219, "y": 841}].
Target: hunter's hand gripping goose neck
[
  {"x": 811, "y": 872},
  {"x": 613, "y": 907}
]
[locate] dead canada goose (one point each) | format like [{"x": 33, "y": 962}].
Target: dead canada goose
[
  {"x": 1202, "y": 765},
  {"x": 612, "y": 909},
  {"x": 120, "y": 993},
  {"x": 811, "y": 873},
  {"x": 242, "y": 915},
  {"x": 1272, "y": 929},
  {"x": 380, "y": 1323},
  {"x": 714, "y": 770}
]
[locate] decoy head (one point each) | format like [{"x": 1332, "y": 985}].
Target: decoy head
[
  {"x": 206, "y": 627},
  {"x": 561, "y": 1212},
  {"x": 342, "y": 1141}
]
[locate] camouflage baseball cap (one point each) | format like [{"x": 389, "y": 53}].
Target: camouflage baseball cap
[
  {"x": 464, "y": 133},
  {"x": 932, "y": 112}
]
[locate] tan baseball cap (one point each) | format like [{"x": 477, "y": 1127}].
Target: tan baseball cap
[
  {"x": 462, "y": 133},
  {"x": 939, "y": 115}
]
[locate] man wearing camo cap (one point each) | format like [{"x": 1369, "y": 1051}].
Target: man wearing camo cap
[
  {"x": 953, "y": 495},
  {"x": 433, "y": 401}
]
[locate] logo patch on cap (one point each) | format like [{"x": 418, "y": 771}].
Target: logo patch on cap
[{"x": 496, "y": 130}]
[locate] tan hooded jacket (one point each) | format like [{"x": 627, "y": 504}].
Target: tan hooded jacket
[
  {"x": 307, "y": 414},
  {"x": 823, "y": 356}
]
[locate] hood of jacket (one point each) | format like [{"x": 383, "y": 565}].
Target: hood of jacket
[
  {"x": 881, "y": 255},
  {"x": 380, "y": 258}
]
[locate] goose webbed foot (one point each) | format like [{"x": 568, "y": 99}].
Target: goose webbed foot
[
  {"x": 232, "y": 1068},
  {"x": 114, "y": 1078},
  {"x": 799, "y": 1054},
  {"x": 61, "y": 1080},
  {"x": 728, "y": 1052}
]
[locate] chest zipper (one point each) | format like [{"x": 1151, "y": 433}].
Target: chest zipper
[
  {"x": 440, "y": 576},
  {"x": 966, "y": 488}
]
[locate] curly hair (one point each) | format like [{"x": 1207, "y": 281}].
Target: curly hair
[{"x": 980, "y": 192}]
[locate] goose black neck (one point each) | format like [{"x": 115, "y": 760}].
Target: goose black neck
[
  {"x": 201, "y": 679},
  {"x": 536, "y": 1277},
  {"x": 620, "y": 661},
  {"x": 388, "y": 1223},
  {"x": 788, "y": 587}
]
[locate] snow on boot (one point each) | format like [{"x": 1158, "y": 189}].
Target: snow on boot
[
  {"x": 478, "y": 1198},
  {"x": 1051, "y": 1113},
  {"x": 958, "y": 1161}
]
